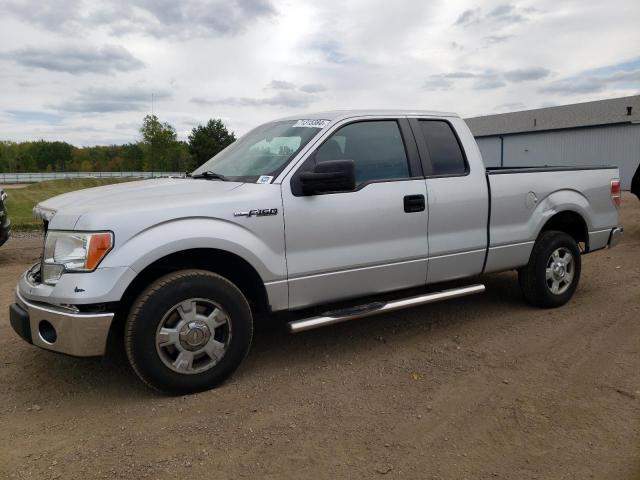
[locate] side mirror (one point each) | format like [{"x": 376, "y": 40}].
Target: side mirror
[{"x": 329, "y": 176}]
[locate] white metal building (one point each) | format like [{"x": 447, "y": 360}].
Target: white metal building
[{"x": 605, "y": 132}]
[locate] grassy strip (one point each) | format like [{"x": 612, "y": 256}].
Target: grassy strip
[{"x": 20, "y": 201}]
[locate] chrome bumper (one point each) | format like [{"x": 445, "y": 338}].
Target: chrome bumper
[
  {"x": 615, "y": 236},
  {"x": 61, "y": 330}
]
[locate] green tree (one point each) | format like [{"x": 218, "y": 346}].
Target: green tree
[
  {"x": 132, "y": 154},
  {"x": 24, "y": 161},
  {"x": 50, "y": 156},
  {"x": 8, "y": 154},
  {"x": 169, "y": 154},
  {"x": 86, "y": 166},
  {"x": 207, "y": 140},
  {"x": 160, "y": 145}
]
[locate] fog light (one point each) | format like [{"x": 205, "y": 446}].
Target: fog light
[
  {"x": 47, "y": 332},
  {"x": 51, "y": 273}
]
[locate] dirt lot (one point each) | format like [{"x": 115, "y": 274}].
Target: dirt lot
[{"x": 484, "y": 387}]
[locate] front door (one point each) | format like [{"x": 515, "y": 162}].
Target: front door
[{"x": 373, "y": 239}]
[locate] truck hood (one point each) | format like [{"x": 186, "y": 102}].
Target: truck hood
[{"x": 65, "y": 210}]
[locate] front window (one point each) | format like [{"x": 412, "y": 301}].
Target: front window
[
  {"x": 264, "y": 151},
  {"x": 376, "y": 147}
]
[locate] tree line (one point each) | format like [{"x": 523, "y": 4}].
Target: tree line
[{"x": 157, "y": 150}]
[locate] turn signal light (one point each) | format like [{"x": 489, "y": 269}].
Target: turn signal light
[{"x": 99, "y": 246}]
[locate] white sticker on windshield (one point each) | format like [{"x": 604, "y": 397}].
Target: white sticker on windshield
[
  {"x": 264, "y": 179},
  {"x": 311, "y": 123}
]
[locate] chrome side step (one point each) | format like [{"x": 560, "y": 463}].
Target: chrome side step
[{"x": 329, "y": 318}]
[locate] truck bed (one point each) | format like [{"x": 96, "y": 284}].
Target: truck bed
[{"x": 522, "y": 198}]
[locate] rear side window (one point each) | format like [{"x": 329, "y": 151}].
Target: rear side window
[
  {"x": 376, "y": 147},
  {"x": 444, "y": 150}
]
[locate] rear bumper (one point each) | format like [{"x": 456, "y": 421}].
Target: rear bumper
[
  {"x": 61, "y": 330},
  {"x": 614, "y": 237}
]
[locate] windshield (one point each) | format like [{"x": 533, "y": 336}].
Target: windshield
[{"x": 264, "y": 151}]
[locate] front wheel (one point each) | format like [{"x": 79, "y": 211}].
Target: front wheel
[
  {"x": 553, "y": 272},
  {"x": 188, "y": 331}
]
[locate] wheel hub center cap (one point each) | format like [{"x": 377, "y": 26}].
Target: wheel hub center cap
[
  {"x": 194, "y": 335},
  {"x": 559, "y": 270}
]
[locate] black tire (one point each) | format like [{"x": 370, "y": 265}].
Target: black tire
[
  {"x": 537, "y": 289},
  {"x": 163, "y": 297}
]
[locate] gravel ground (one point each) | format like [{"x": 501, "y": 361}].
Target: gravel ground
[{"x": 482, "y": 387}]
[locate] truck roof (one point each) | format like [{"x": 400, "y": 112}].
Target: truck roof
[{"x": 342, "y": 114}]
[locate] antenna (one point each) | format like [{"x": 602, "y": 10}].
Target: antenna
[{"x": 152, "y": 158}]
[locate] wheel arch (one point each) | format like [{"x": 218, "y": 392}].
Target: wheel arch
[
  {"x": 230, "y": 265},
  {"x": 570, "y": 222}
]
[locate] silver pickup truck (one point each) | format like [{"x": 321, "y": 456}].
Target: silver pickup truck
[{"x": 315, "y": 216}]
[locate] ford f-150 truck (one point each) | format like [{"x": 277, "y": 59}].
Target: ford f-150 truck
[{"x": 316, "y": 217}]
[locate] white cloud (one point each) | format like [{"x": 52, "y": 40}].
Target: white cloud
[
  {"x": 75, "y": 59},
  {"x": 84, "y": 70},
  {"x": 158, "y": 18},
  {"x": 108, "y": 100}
]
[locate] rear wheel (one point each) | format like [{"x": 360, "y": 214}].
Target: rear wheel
[
  {"x": 553, "y": 272},
  {"x": 188, "y": 331}
]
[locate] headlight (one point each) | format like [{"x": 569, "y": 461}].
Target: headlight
[{"x": 73, "y": 252}]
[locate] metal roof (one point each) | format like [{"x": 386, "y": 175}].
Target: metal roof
[{"x": 588, "y": 114}]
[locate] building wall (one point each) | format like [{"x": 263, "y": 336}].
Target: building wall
[
  {"x": 490, "y": 150},
  {"x": 617, "y": 145}
]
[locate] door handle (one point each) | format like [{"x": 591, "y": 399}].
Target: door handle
[{"x": 414, "y": 203}]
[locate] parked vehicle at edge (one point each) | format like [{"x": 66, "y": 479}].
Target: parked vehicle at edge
[
  {"x": 635, "y": 183},
  {"x": 295, "y": 216},
  {"x": 5, "y": 223}
]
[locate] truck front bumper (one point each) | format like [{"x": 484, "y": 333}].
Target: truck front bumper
[{"x": 60, "y": 329}]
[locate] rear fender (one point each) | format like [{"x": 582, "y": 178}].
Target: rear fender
[
  {"x": 560, "y": 201},
  {"x": 512, "y": 240}
]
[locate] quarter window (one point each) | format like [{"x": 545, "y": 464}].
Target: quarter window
[
  {"x": 444, "y": 150},
  {"x": 376, "y": 147}
]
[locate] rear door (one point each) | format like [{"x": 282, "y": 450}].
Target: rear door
[
  {"x": 370, "y": 240},
  {"x": 457, "y": 197}
]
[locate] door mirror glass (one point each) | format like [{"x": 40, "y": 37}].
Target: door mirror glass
[{"x": 329, "y": 176}]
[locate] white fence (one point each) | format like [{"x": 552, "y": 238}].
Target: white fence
[{"x": 8, "y": 178}]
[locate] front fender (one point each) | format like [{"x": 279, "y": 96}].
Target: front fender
[{"x": 263, "y": 250}]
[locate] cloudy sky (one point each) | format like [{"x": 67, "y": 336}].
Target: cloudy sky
[{"x": 84, "y": 71}]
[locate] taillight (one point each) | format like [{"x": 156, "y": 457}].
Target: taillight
[{"x": 616, "y": 196}]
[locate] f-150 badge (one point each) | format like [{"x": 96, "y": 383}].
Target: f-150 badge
[{"x": 264, "y": 212}]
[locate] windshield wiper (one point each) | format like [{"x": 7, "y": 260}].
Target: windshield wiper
[{"x": 209, "y": 175}]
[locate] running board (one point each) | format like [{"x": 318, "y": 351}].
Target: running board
[{"x": 337, "y": 316}]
